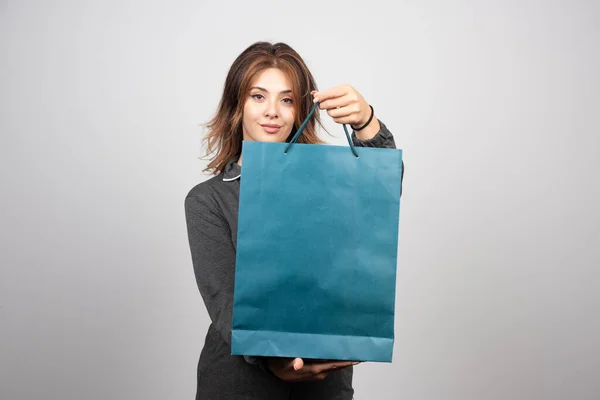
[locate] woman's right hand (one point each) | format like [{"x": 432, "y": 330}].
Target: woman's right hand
[{"x": 295, "y": 370}]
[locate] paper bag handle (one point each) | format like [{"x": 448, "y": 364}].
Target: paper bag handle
[{"x": 299, "y": 132}]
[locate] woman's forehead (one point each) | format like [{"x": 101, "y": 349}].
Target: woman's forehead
[{"x": 272, "y": 80}]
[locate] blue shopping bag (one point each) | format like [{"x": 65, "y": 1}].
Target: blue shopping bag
[{"x": 317, "y": 251}]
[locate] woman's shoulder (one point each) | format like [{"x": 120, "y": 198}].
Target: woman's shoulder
[
  {"x": 216, "y": 184},
  {"x": 203, "y": 195},
  {"x": 205, "y": 188}
]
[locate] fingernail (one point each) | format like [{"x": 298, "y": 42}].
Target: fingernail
[{"x": 316, "y": 99}]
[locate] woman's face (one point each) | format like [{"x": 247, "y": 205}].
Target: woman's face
[{"x": 269, "y": 109}]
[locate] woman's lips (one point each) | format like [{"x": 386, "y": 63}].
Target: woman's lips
[{"x": 271, "y": 129}]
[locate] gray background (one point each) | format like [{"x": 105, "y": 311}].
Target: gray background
[{"x": 494, "y": 103}]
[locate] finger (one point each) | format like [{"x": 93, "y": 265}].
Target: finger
[
  {"x": 348, "y": 119},
  {"x": 339, "y": 102},
  {"x": 343, "y": 117},
  {"x": 332, "y": 93},
  {"x": 345, "y": 365},
  {"x": 321, "y": 376},
  {"x": 345, "y": 111},
  {"x": 297, "y": 364},
  {"x": 322, "y": 367}
]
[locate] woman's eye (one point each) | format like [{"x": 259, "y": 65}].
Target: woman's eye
[
  {"x": 256, "y": 96},
  {"x": 288, "y": 100}
]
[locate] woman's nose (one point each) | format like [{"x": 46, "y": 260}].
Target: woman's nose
[{"x": 271, "y": 109}]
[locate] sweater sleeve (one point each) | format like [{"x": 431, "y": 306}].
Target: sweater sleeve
[
  {"x": 383, "y": 139},
  {"x": 213, "y": 258}
]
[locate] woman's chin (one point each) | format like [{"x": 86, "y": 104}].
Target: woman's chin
[{"x": 271, "y": 138}]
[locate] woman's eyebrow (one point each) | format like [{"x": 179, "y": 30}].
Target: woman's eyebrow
[{"x": 265, "y": 90}]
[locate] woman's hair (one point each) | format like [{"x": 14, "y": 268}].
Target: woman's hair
[{"x": 224, "y": 138}]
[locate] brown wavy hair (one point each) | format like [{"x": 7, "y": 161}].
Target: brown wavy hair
[{"x": 224, "y": 138}]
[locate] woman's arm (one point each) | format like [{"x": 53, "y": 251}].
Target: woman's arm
[
  {"x": 383, "y": 139},
  {"x": 213, "y": 257}
]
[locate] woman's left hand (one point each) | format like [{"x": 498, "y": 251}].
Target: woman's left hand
[{"x": 347, "y": 106}]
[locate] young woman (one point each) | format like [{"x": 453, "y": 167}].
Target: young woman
[{"x": 267, "y": 94}]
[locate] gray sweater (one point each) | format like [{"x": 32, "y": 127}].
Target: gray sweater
[{"x": 211, "y": 210}]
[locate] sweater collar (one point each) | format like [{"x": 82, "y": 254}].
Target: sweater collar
[{"x": 232, "y": 171}]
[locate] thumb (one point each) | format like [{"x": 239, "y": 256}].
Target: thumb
[
  {"x": 298, "y": 364},
  {"x": 315, "y": 95}
]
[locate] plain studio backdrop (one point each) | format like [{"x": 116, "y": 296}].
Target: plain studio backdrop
[{"x": 495, "y": 104}]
